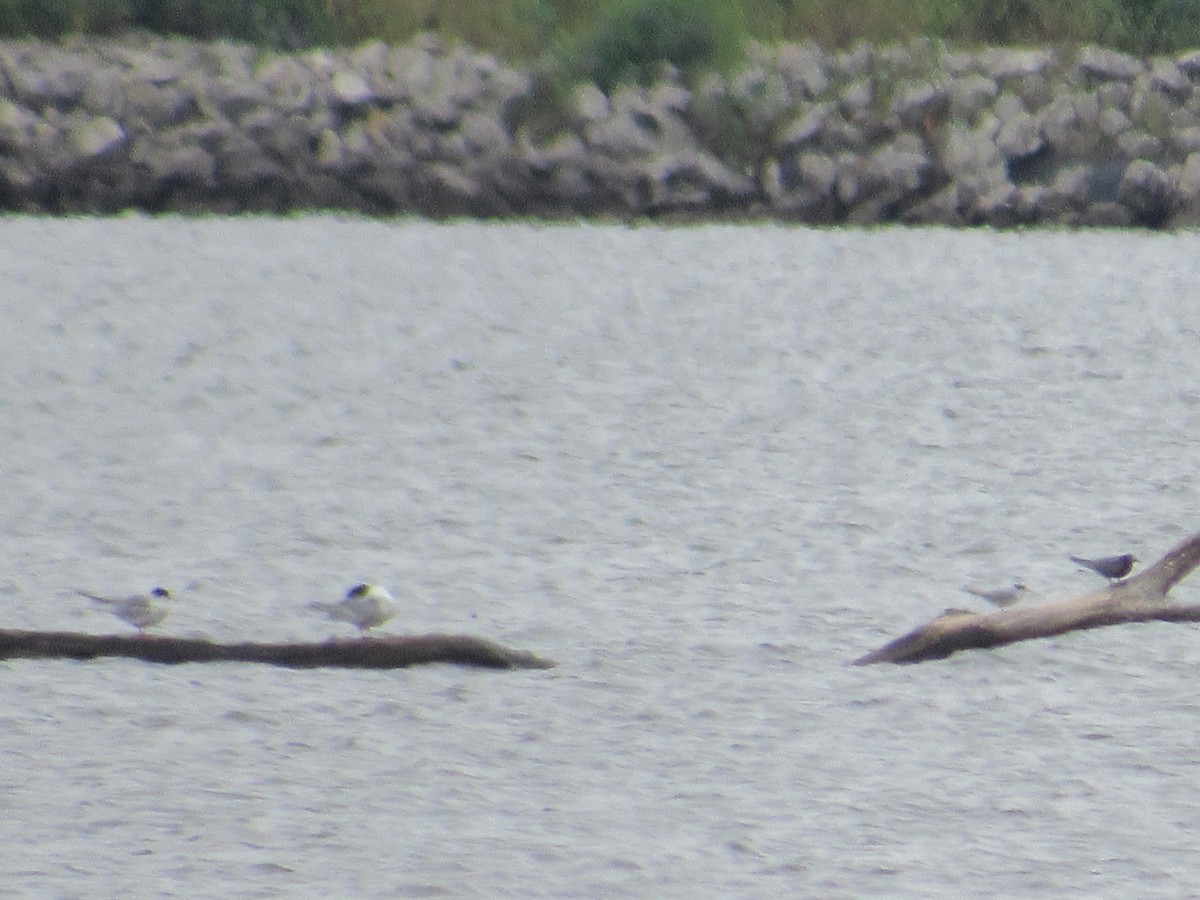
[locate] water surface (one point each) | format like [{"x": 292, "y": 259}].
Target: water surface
[{"x": 703, "y": 468}]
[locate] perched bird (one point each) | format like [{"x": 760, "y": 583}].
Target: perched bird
[
  {"x": 364, "y": 606},
  {"x": 1003, "y": 597},
  {"x": 138, "y": 610},
  {"x": 1111, "y": 567}
]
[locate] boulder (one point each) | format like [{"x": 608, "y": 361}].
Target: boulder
[
  {"x": 804, "y": 68},
  {"x": 1103, "y": 64},
  {"x": 1147, "y": 192},
  {"x": 93, "y": 137}
]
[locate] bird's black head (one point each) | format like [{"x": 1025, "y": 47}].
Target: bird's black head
[
  {"x": 357, "y": 591},
  {"x": 160, "y": 592}
]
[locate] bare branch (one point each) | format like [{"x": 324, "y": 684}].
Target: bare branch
[
  {"x": 361, "y": 653},
  {"x": 1142, "y": 598}
]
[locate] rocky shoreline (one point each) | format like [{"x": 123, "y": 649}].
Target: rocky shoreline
[{"x": 917, "y": 133}]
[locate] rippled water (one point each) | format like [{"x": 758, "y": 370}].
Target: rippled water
[{"x": 703, "y": 468}]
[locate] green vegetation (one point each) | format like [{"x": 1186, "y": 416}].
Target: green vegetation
[
  {"x": 632, "y": 39},
  {"x": 616, "y": 40},
  {"x": 273, "y": 22}
]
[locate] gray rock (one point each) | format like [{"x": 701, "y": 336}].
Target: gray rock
[
  {"x": 290, "y": 85},
  {"x": 614, "y": 184},
  {"x": 771, "y": 178},
  {"x": 460, "y": 79},
  {"x": 1003, "y": 63},
  {"x": 803, "y": 185},
  {"x": 231, "y": 97},
  {"x": 856, "y": 99},
  {"x": 998, "y": 207},
  {"x": 1035, "y": 91},
  {"x": 50, "y": 79},
  {"x": 1103, "y": 64},
  {"x": 1112, "y": 122},
  {"x": 910, "y": 142},
  {"x": 956, "y": 62},
  {"x": 669, "y": 100},
  {"x": 226, "y": 59},
  {"x": 763, "y": 97},
  {"x": 348, "y": 88},
  {"x": 1167, "y": 77},
  {"x": 1186, "y": 141},
  {"x": 1182, "y": 117},
  {"x": 484, "y": 135},
  {"x": 893, "y": 172},
  {"x": 1072, "y": 185},
  {"x": 166, "y": 159},
  {"x": 911, "y": 131},
  {"x": 987, "y": 126},
  {"x": 1105, "y": 214},
  {"x": 243, "y": 165},
  {"x": 153, "y": 67},
  {"x": 913, "y": 102},
  {"x": 565, "y": 150},
  {"x": 331, "y": 153},
  {"x": 1069, "y": 124},
  {"x": 970, "y": 94},
  {"x": 94, "y": 136},
  {"x": 409, "y": 67},
  {"x": 847, "y": 182},
  {"x": 817, "y": 170},
  {"x": 1151, "y": 111},
  {"x": 838, "y": 135},
  {"x": 1188, "y": 185},
  {"x": 50, "y": 146},
  {"x": 1029, "y": 202},
  {"x": 589, "y": 103},
  {"x": 22, "y": 182},
  {"x": 1187, "y": 192},
  {"x": 1189, "y": 63},
  {"x": 388, "y": 187},
  {"x": 368, "y": 59},
  {"x": 944, "y": 207},
  {"x": 804, "y": 69},
  {"x": 288, "y": 138},
  {"x": 1138, "y": 145},
  {"x": 105, "y": 94},
  {"x": 445, "y": 190},
  {"x": 1146, "y": 190},
  {"x": 209, "y": 134},
  {"x": 810, "y": 174},
  {"x": 438, "y": 110},
  {"x": 1116, "y": 95},
  {"x": 636, "y": 128},
  {"x": 17, "y": 125},
  {"x": 571, "y": 183},
  {"x": 973, "y": 161},
  {"x": 904, "y": 58},
  {"x": 855, "y": 62},
  {"x": 153, "y": 106},
  {"x": 805, "y": 129},
  {"x": 694, "y": 179},
  {"x": 1010, "y": 106},
  {"x": 1021, "y": 135}
]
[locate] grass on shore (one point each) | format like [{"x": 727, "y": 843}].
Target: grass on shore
[{"x": 614, "y": 40}]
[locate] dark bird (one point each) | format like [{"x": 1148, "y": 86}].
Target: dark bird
[
  {"x": 1003, "y": 597},
  {"x": 1111, "y": 567}
]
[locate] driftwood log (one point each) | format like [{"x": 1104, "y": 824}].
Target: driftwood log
[
  {"x": 363, "y": 653},
  {"x": 1142, "y": 598}
]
